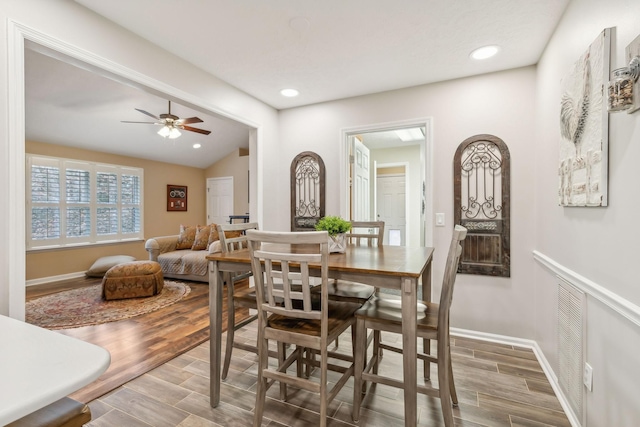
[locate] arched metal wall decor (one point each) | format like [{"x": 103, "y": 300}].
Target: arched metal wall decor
[
  {"x": 481, "y": 204},
  {"x": 307, "y": 191}
]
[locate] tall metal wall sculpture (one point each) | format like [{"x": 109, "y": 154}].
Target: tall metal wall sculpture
[
  {"x": 481, "y": 204},
  {"x": 307, "y": 191}
]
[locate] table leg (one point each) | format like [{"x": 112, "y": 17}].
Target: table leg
[
  {"x": 409, "y": 349},
  {"x": 215, "y": 330}
]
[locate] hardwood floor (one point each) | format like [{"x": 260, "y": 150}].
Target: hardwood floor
[
  {"x": 497, "y": 384},
  {"x": 140, "y": 343}
]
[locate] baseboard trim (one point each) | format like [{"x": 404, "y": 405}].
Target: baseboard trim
[
  {"x": 544, "y": 363},
  {"x": 620, "y": 305},
  {"x": 43, "y": 280}
]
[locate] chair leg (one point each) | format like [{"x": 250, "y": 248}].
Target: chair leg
[
  {"x": 231, "y": 314},
  {"x": 443, "y": 383},
  {"x": 261, "y": 390},
  {"x": 282, "y": 355},
  {"x": 452, "y": 386},
  {"x": 324, "y": 404},
  {"x": 360, "y": 356},
  {"x": 426, "y": 368},
  {"x": 377, "y": 351}
]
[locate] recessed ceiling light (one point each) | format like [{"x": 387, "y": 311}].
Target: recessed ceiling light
[
  {"x": 289, "y": 93},
  {"x": 484, "y": 52},
  {"x": 197, "y": 145}
]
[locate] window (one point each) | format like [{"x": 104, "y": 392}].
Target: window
[{"x": 71, "y": 202}]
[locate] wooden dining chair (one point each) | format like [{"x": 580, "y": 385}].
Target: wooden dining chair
[
  {"x": 363, "y": 233},
  {"x": 383, "y": 313},
  {"x": 232, "y": 237},
  {"x": 289, "y": 313}
]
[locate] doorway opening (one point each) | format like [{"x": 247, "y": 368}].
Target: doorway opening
[
  {"x": 396, "y": 154},
  {"x": 22, "y": 37}
]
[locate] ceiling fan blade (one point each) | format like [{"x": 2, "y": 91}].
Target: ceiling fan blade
[
  {"x": 147, "y": 113},
  {"x": 146, "y": 123},
  {"x": 189, "y": 120},
  {"x": 202, "y": 131}
]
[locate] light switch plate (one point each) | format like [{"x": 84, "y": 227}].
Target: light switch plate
[
  {"x": 439, "y": 220},
  {"x": 634, "y": 50}
]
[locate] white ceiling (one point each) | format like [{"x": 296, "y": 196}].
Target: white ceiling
[{"x": 329, "y": 49}]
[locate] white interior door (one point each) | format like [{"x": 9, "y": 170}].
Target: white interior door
[
  {"x": 361, "y": 182},
  {"x": 391, "y": 206},
  {"x": 219, "y": 199}
]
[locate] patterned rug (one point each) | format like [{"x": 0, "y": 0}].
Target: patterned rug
[{"x": 85, "y": 306}]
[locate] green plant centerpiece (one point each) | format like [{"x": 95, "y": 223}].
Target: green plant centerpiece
[{"x": 336, "y": 227}]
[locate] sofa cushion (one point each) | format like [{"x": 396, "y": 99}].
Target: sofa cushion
[
  {"x": 184, "y": 262},
  {"x": 104, "y": 263},
  {"x": 186, "y": 237},
  {"x": 201, "y": 241}
]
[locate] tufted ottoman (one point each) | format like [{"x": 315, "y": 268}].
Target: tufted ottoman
[{"x": 132, "y": 279}]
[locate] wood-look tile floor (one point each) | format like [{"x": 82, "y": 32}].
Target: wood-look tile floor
[{"x": 498, "y": 385}]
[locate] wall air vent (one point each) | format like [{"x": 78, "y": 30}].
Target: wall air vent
[{"x": 571, "y": 344}]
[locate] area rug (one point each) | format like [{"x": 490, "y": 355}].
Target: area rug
[{"x": 85, "y": 306}]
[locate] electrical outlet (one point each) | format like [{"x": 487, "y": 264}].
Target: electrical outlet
[
  {"x": 439, "y": 220},
  {"x": 587, "y": 376}
]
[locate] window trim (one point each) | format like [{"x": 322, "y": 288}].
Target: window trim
[{"x": 94, "y": 168}]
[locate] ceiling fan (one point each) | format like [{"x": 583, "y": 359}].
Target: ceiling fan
[{"x": 171, "y": 125}]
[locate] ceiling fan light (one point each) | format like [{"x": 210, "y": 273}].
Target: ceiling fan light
[
  {"x": 174, "y": 133},
  {"x": 164, "y": 131}
]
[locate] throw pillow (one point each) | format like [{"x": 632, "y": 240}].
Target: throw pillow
[
  {"x": 104, "y": 263},
  {"x": 213, "y": 236},
  {"x": 232, "y": 234},
  {"x": 201, "y": 241},
  {"x": 187, "y": 237}
]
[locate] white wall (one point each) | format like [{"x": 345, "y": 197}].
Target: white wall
[
  {"x": 600, "y": 244},
  {"x": 501, "y": 104},
  {"x": 67, "y": 22}
]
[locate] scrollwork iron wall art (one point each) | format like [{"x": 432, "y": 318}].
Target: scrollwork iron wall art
[
  {"x": 479, "y": 164},
  {"x": 307, "y": 191},
  {"x": 481, "y": 197}
]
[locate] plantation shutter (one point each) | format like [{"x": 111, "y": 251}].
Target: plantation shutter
[
  {"x": 107, "y": 218},
  {"x": 45, "y": 198}
]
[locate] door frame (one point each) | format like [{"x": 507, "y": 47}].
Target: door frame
[
  {"x": 407, "y": 211},
  {"x": 426, "y": 150}
]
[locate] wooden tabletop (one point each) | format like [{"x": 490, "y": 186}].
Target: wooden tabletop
[{"x": 386, "y": 260}]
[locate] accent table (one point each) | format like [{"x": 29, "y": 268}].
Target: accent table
[
  {"x": 39, "y": 366},
  {"x": 392, "y": 267}
]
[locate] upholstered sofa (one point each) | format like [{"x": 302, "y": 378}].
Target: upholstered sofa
[{"x": 183, "y": 256}]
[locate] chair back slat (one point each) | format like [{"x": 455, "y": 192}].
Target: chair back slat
[
  {"x": 282, "y": 274},
  {"x": 369, "y": 233},
  {"x": 231, "y": 243}
]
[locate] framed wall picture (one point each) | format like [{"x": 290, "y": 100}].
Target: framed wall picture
[
  {"x": 176, "y": 197},
  {"x": 584, "y": 128}
]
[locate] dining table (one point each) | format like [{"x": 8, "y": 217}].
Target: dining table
[{"x": 401, "y": 268}]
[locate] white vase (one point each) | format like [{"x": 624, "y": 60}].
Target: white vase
[{"x": 337, "y": 243}]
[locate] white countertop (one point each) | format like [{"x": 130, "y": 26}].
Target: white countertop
[{"x": 38, "y": 367}]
